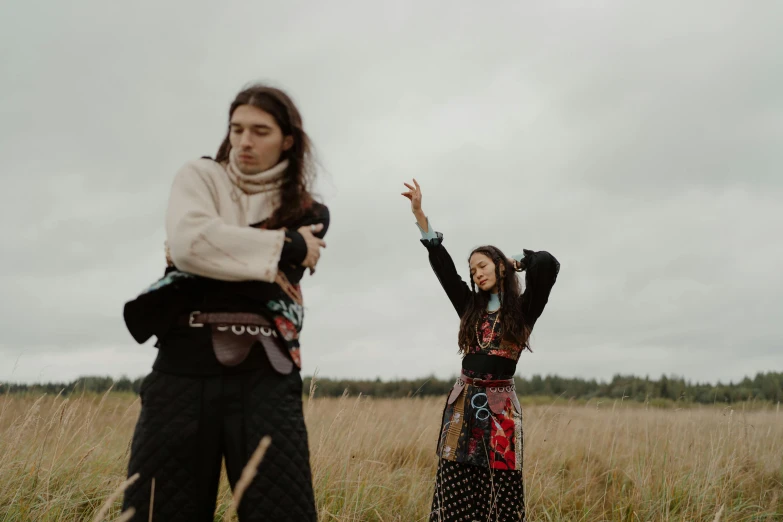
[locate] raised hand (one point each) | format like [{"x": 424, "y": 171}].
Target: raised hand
[{"x": 414, "y": 194}]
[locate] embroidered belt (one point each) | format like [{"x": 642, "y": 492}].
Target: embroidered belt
[
  {"x": 234, "y": 334},
  {"x": 483, "y": 383},
  {"x": 498, "y": 390}
]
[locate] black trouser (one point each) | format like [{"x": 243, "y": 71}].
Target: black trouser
[{"x": 189, "y": 424}]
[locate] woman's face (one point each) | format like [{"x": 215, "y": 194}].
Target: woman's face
[{"x": 482, "y": 270}]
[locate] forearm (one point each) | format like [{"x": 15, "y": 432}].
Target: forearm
[
  {"x": 421, "y": 220},
  {"x": 210, "y": 248},
  {"x": 202, "y": 243},
  {"x": 443, "y": 266},
  {"x": 542, "y": 269},
  {"x": 456, "y": 289}
]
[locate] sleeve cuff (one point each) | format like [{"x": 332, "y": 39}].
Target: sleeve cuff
[
  {"x": 520, "y": 258},
  {"x": 429, "y": 234},
  {"x": 435, "y": 241},
  {"x": 294, "y": 248}
]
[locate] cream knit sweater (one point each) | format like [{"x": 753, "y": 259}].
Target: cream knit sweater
[{"x": 209, "y": 210}]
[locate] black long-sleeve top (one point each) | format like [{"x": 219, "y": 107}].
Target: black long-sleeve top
[{"x": 499, "y": 357}]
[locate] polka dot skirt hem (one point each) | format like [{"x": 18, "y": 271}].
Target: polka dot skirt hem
[{"x": 468, "y": 493}]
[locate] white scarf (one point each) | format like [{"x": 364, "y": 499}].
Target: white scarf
[{"x": 270, "y": 179}]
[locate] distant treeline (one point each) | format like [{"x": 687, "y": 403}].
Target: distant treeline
[
  {"x": 763, "y": 387},
  {"x": 80, "y": 385}
]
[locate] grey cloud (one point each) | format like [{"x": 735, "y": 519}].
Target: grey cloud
[{"x": 637, "y": 143}]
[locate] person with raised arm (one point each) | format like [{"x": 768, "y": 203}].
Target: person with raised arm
[{"x": 480, "y": 446}]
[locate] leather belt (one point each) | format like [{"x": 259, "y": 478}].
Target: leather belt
[
  {"x": 198, "y": 319},
  {"x": 497, "y": 390},
  {"x": 233, "y": 334}
]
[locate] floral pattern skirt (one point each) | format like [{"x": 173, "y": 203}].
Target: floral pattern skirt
[{"x": 480, "y": 449}]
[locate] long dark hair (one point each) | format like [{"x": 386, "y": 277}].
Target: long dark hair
[
  {"x": 513, "y": 326},
  {"x": 295, "y": 196}
]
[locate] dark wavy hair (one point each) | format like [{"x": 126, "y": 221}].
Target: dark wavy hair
[
  {"x": 513, "y": 326},
  {"x": 295, "y": 195}
]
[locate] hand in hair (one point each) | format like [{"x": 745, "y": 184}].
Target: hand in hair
[{"x": 518, "y": 267}]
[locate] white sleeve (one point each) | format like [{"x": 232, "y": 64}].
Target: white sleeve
[{"x": 201, "y": 243}]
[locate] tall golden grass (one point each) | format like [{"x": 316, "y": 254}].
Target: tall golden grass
[{"x": 63, "y": 458}]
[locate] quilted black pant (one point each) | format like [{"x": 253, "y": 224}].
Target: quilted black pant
[{"x": 189, "y": 424}]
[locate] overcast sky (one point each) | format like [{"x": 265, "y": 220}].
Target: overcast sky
[{"x": 638, "y": 142}]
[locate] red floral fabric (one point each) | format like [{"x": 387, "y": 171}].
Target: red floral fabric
[
  {"x": 489, "y": 429},
  {"x": 489, "y": 335},
  {"x": 286, "y": 328},
  {"x": 502, "y": 454}
]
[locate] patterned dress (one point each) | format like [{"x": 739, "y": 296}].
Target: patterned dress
[{"x": 480, "y": 447}]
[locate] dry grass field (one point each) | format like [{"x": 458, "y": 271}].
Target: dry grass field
[{"x": 61, "y": 459}]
